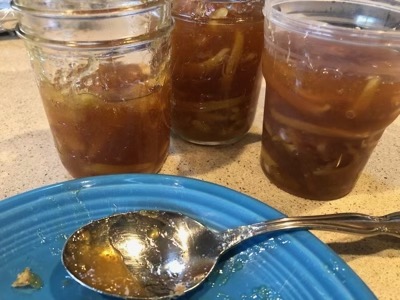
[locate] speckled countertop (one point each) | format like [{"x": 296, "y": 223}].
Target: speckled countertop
[{"x": 28, "y": 160}]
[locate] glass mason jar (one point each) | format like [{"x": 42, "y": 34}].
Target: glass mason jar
[
  {"x": 102, "y": 69},
  {"x": 332, "y": 72},
  {"x": 216, "y": 74}
]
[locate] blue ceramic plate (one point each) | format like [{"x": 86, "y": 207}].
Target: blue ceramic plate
[{"x": 296, "y": 265}]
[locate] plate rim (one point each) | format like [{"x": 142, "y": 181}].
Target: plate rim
[{"x": 320, "y": 249}]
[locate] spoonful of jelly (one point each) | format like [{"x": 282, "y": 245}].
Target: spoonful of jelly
[{"x": 163, "y": 254}]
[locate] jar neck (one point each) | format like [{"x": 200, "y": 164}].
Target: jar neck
[
  {"x": 107, "y": 25},
  {"x": 71, "y": 8},
  {"x": 132, "y": 43},
  {"x": 354, "y": 22}
]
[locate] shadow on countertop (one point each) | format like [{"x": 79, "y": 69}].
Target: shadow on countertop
[
  {"x": 194, "y": 159},
  {"x": 367, "y": 246}
]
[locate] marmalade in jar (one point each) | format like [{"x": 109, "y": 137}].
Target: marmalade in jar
[
  {"x": 113, "y": 120},
  {"x": 216, "y": 76},
  {"x": 326, "y": 106}
]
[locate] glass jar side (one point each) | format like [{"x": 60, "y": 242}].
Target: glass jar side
[
  {"x": 216, "y": 53},
  {"x": 328, "y": 102},
  {"x": 108, "y": 109},
  {"x": 95, "y": 27}
]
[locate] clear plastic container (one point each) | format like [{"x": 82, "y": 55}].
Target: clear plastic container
[
  {"x": 332, "y": 72},
  {"x": 216, "y": 75},
  {"x": 102, "y": 69}
]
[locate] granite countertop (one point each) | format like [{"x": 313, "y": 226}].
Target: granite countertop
[{"x": 29, "y": 160}]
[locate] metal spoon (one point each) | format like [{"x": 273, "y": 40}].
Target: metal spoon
[{"x": 163, "y": 254}]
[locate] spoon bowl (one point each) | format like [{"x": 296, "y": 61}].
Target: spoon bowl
[
  {"x": 153, "y": 254},
  {"x": 158, "y": 254}
]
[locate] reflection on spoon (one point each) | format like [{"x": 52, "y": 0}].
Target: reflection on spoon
[{"x": 161, "y": 254}]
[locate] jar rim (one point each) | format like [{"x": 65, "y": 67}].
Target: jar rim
[
  {"x": 130, "y": 42},
  {"x": 282, "y": 13},
  {"x": 83, "y": 9}
]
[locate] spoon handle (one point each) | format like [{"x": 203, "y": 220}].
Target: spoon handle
[{"x": 343, "y": 222}]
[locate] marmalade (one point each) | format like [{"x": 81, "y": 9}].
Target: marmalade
[
  {"x": 99, "y": 265},
  {"x": 325, "y": 111},
  {"x": 216, "y": 76},
  {"x": 111, "y": 121}
]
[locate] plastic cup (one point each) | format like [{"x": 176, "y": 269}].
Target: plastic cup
[{"x": 332, "y": 73}]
